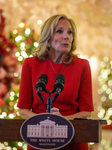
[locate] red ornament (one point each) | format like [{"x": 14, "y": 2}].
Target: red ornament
[
  {"x": 1, "y": 102},
  {"x": 28, "y": 42}
]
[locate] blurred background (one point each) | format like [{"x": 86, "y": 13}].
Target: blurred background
[{"x": 20, "y": 23}]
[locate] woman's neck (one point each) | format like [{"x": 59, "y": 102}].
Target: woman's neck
[{"x": 55, "y": 57}]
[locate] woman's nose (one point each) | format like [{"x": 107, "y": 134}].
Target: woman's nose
[{"x": 65, "y": 35}]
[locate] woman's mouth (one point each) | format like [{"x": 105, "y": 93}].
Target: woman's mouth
[{"x": 65, "y": 44}]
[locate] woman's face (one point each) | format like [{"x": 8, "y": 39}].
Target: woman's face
[{"x": 62, "y": 37}]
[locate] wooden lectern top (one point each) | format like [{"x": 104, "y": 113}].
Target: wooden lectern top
[{"x": 85, "y": 130}]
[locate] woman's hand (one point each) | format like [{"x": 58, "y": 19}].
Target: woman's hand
[
  {"x": 55, "y": 111},
  {"x": 26, "y": 113}
]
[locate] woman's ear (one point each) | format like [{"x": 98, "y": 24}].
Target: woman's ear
[{"x": 49, "y": 43}]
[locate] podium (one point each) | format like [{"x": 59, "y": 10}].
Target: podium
[{"x": 85, "y": 130}]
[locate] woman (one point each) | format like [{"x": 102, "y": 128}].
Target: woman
[{"x": 55, "y": 55}]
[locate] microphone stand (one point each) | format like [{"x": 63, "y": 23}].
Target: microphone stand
[{"x": 49, "y": 102}]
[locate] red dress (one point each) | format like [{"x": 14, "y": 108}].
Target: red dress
[{"x": 76, "y": 96}]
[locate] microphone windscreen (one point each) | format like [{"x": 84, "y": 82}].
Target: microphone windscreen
[
  {"x": 60, "y": 78},
  {"x": 44, "y": 77},
  {"x": 42, "y": 81},
  {"x": 59, "y": 83}
]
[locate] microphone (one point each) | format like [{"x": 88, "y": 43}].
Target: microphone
[
  {"x": 41, "y": 84},
  {"x": 59, "y": 85}
]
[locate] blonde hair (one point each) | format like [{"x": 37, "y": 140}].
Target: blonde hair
[{"x": 47, "y": 31}]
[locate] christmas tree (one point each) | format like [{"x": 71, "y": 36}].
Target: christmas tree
[
  {"x": 13, "y": 51},
  {"x": 105, "y": 90}
]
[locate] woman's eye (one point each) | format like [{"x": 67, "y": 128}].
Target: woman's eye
[
  {"x": 59, "y": 31},
  {"x": 70, "y": 32}
]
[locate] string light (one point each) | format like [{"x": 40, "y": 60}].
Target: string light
[
  {"x": 21, "y": 25},
  {"x": 16, "y": 74},
  {"x": 15, "y": 31},
  {"x": 4, "y": 114},
  {"x": 18, "y": 114},
  {"x": 17, "y": 54},
  {"x": 100, "y": 91},
  {"x": 99, "y": 108},
  {"x": 109, "y": 112},
  {"x": 103, "y": 98},
  {"x": 20, "y": 144},
  {"x": 24, "y": 54},
  {"x": 1, "y": 117},
  {"x": 109, "y": 122},
  {"x": 110, "y": 96},
  {"x": 14, "y": 148},
  {"x": 23, "y": 48},
  {"x": 106, "y": 59},
  {"x": 111, "y": 62},
  {"x": 102, "y": 64},
  {"x": 22, "y": 44},
  {"x": 27, "y": 31},
  {"x": 110, "y": 82},
  {"x": 8, "y": 49},
  {"x": 108, "y": 91},
  {"x": 18, "y": 38},
  {"x": 91, "y": 143},
  {"x": 12, "y": 93},
  {"x": 20, "y": 58},
  {"x": 39, "y": 21},
  {"x": 104, "y": 87},
  {"x": 36, "y": 44},
  {"x": 11, "y": 104},
  {"x": 104, "y": 74},
  {"x": 101, "y": 113},
  {"x": 6, "y": 143},
  {"x": 15, "y": 107},
  {"x": 11, "y": 116},
  {"x": 11, "y": 98}
]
